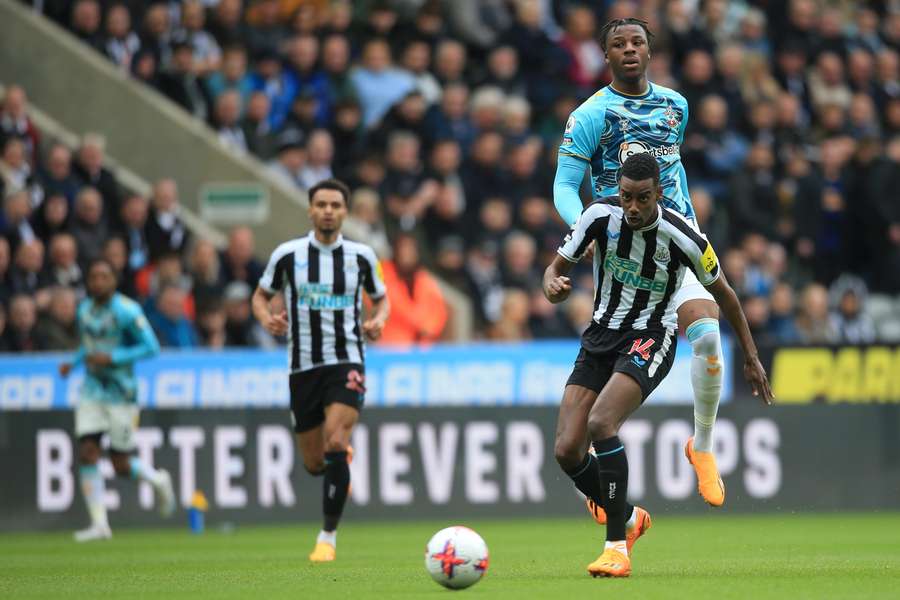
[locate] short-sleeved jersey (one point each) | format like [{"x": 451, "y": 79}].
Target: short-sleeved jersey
[
  {"x": 610, "y": 126},
  {"x": 637, "y": 271},
  {"x": 322, "y": 286},
  {"x": 117, "y": 328}
]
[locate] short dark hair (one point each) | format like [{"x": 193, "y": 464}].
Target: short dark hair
[
  {"x": 103, "y": 261},
  {"x": 331, "y": 184},
  {"x": 638, "y": 167},
  {"x": 616, "y": 23}
]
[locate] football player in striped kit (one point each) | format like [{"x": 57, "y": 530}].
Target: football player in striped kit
[
  {"x": 643, "y": 253},
  {"x": 322, "y": 276}
]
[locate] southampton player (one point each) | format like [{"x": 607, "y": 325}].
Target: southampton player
[
  {"x": 322, "y": 276},
  {"x": 643, "y": 253},
  {"x": 629, "y": 116},
  {"x": 114, "y": 334}
]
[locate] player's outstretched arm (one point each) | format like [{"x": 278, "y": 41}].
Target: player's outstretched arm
[
  {"x": 556, "y": 284},
  {"x": 731, "y": 307},
  {"x": 566, "y": 186},
  {"x": 274, "y": 323}
]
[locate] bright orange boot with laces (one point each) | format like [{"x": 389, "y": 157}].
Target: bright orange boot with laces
[{"x": 710, "y": 484}]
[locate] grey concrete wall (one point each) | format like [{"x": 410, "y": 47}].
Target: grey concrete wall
[{"x": 145, "y": 132}]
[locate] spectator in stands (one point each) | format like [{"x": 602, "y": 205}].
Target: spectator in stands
[
  {"x": 288, "y": 164},
  {"x": 57, "y": 328},
  {"x": 25, "y": 275},
  {"x": 207, "y": 56},
  {"x": 365, "y": 209},
  {"x": 406, "y": 191},
  {"x": 168, "y": 318},
  {"x": 135, "y": 210},
  {"x": 512, "y": 326},
  {"x": 15, "y": 122},
  {"x": 545, "y": 321},
  {"x": 57, "y": 176},
  {"x": 232, "y": 76},
  {"x": 319, "y": 156},
  {"x": 155, "y": 33},
  {"x": 350, "y": 143},
  {"x": 336, "y": 66},
  {"x": 5, "y": 278},
  {"x": 483, "y": 271},
  {"x": 755, "y": 203},
  {"x": 225, "y": 23},
  {"x": 145, "y": 69},
  {"x": 227, "y": 121},
  {"x": 115, "y": 251},
  {"x": 167, "y": 270},
  {"x": 166, "y": 232},
  {"x": 586, "y": 60},
  {"x": 211, "y": 324},
  {"x": 503, "y": 72},
  {"x": 450, "y": 119},
  {"x": 416, "y": 59},
  {"x": 781, "y": 328},
  {"x": 179, "y": 82},
  {"x": 121, "y": 44},
  {"x": 20, "y": 327},
  {"x": 271, "y": 79},
  {"x": 256, "y": 128},
  {"x": 238, "y": 261},
  {"x": 534, "y": 218},
  {"x": 523, "y": 176},
  {"x": 15, "y": 172},
  {"x": 265, "y": 33},
  {"x": 85, "y": 23},
  {"x": 17, "y": 226},
  {"x": 826, "y": 82},
  {"x": 407, "y": 115},
  {"x": 450, "y": 263},
  {"x": 241, "y": 329},
  {"x": 62, "y": 268},
  {"x": 304, "y": 74},
  {"x": 91, "y": 171},
  {"x": 88, "y": 227},
  {"x": 450, "y": 61},
  {"x": 419, "y": 311},
  {"x": 519, "y": 265},
  {"x": 698, "y": 77},
  {"x": 713, "y": 152},
  {"x": 205, "y": 270},
  {"x": 378, "y": 83},
  {"x": 812, "y": 322},
  {"x": 444, "y": 216},
  {"x": 482, "y": 173},
  {"x": 847, "y": 297}
]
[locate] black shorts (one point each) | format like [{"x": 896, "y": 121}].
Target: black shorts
[
  {"x": 645, "y": 355},
  {"x": 313, "y": 390}
]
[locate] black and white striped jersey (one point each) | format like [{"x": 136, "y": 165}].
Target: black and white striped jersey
[
  {"x": 637, "y": 271},
  {"x": 322, "y": 285}
]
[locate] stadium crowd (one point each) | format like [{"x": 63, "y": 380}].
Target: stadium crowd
[{"x": 445, "y": 117}]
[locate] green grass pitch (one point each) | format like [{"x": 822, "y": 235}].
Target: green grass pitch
[{"x": 718, "y": 556}]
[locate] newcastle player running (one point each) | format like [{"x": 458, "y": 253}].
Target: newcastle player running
[
  {"x": 322, "y": 277},
  {"x": 643, "y": 252}
]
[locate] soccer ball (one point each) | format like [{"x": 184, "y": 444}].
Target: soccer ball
[{"x": 456, "y": 557}]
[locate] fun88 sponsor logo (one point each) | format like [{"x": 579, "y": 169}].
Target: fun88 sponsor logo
[{"x": 627, "y": 149}]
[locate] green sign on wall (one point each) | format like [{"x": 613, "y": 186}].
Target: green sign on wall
[{"x": 231, "y": 203}]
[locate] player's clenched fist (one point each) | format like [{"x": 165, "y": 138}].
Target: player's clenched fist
[{"x": 557, "y": 289}]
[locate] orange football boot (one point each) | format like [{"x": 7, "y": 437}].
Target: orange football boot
[
  {"x": 642, "y": 521},
  {"x": 323, "y": 552},
  {"x": 611, "y": 563},
  {"x": 710, "y": 484}
]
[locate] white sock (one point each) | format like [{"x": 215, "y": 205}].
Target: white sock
[
  {"x": 619, "y": 545},
  {"x": 93, "y": 486},
  {"x": 706, "y": 378},
  {"x": 329, "y": 537},
  {"x": 141, "y": 470}
]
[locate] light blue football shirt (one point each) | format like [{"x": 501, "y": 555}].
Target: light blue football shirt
[
  {"x": 119, "y": 329},
  {"x": 611, "y": 126}
]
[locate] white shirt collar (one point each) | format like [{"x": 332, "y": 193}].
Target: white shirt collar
[{"x": 315, "y": 242}]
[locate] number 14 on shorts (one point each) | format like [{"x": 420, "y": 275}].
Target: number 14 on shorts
[{"x": 641, "y": 348}]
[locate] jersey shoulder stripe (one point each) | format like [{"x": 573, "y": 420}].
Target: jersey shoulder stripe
[{"x": 684, "y": 227}]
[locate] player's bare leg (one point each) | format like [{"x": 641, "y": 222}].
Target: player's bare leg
[
  {"x": 336, "y": 432},
  {"x": 93, "y": 487},
  {"x": 620, "y": 397},
  {"x": 700, "y": 321},
  {"x": 127, "y": 465}
]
